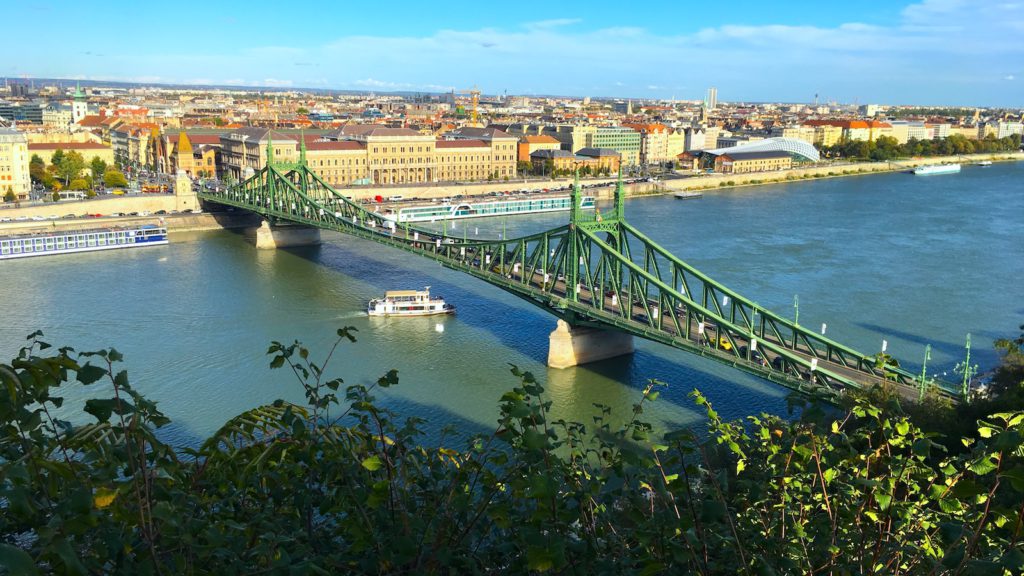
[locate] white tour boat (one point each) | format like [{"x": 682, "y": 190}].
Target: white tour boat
[
  {"x": 937, "y": 169},
  {"x": 408, "y": 303}
]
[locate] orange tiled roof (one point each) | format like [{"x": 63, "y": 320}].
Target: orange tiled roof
[{"x": 542, "y": 139}]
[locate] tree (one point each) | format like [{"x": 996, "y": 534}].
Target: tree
[
  {"x": 98, "y": 167},
  {"x": 58, "y": 155},
  {"x": 301, "y": 110},
  {"x": 114, "y": 179},
  {"x": 294, "y": 488},
  {"x": 55, "y": 196},
  {"x": 70, "y": 166},
  {"x": 78, "y": 184},
  {"x": 524, "y": 167},
  {"x": 9, "y": 195},
  {"x": 38, "y": 172}
]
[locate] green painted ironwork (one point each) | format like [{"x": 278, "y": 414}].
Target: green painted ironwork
[{"x": 597, "y": 270}]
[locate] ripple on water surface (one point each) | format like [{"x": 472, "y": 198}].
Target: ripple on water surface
[{"x": 911, "y": 260}]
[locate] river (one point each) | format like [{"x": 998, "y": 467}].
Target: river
[{"x": 912, "y": 260}]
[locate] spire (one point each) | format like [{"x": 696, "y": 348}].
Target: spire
[
  {"x": 79, "y": 95},
  {"x": 184, "y": 145}
]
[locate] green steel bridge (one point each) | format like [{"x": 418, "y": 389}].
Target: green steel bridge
[{"x": 597, "y": 271}]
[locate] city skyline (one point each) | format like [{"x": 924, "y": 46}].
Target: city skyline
[{"x": 935, "y": 52}]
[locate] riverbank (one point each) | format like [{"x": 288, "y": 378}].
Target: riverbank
[
  {"x": 712, "y": 181},
  {"x": 175, "y": 223}
]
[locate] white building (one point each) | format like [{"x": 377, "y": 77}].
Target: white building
[{"x": 79, "y": 107}]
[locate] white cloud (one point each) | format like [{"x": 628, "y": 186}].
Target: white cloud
[
  {"x": 552, "y": 23},
  {"x": 276, "y": 83},
  {"x": 943, "y": 49},
  {"x": 1008, "y": 77}
]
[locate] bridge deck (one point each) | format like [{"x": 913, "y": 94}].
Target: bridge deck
[{"x": 606, "y": 273}]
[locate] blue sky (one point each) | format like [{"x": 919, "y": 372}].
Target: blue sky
[{"x": 934, "y": 52}]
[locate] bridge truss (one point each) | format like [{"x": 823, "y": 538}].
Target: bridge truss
[{"x": 597, "y": 271}]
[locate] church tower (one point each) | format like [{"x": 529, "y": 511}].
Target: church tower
[
  {"x": 183, "y": 159},
  {"x": 79, "y": 108}
]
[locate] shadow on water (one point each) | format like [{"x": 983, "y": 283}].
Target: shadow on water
[
  {"x": 436, "y": 421},
  {"x": 379, "y": 271},
  {"x": 948, "y": 347}
]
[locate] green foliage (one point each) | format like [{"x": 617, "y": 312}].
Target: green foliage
[
  {"x": 97, "y": 167},
  {"x": 78, "y": 184},
  {"x": 341, "y": 485},
  {"x": 887, "y": 148},
  {"x": 114, "y": 179},
  {"x": 69, "y": 165},
  {"x": 9, "y": 195}
]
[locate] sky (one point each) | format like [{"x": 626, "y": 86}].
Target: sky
[{"x": 929, "y": 52}]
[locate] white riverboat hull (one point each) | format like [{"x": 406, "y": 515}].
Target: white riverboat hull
[{"x": 937, "y": 169}]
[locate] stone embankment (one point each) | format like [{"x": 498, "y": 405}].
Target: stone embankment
[
  {"x": 837, "y": 170},
  {"x": 175, "y": 223}
]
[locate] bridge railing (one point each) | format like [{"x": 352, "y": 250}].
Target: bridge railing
[{"x": 598, "y": 270}]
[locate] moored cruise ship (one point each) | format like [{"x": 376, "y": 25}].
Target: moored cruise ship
[
  {"x": 70, "y": 241},
  {"x": 456, "y": 210},
  {"x": 937, "y": 169}
]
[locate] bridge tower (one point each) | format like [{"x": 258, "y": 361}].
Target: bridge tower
[
  {"x": 572, "y": 343},
  {"x": 271, "y": 235}
]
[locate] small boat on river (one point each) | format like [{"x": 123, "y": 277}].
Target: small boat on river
[{"x": 409, "y": 303}]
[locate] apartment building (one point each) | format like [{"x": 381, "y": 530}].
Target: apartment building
[{"x": 14, "y": 158}]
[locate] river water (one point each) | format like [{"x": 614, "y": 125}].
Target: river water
[{"x": 912, "y": 260}]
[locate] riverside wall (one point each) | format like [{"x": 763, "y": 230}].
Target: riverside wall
[
  {"x": 709, "y": 181},
  {"x": 176, "y": 223}
]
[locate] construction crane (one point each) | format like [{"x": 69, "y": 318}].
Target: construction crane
[{"x": 474, "y": 92}]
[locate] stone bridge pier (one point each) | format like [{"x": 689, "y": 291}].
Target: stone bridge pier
[
  {"x": 573, "y": 345},
  {"x": 273, "y": 236}
]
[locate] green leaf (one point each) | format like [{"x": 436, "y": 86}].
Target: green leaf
[
  {"x": 101, "y": 409},
  {"x": 883, "y": 500},
  {"x": 712, "y": 510},
  {"x": 88, "y": 374},
  {"x": 953, "y": 559},
  {"x": 539, "y": 559},
  {"x": 902, "y": 428},
  {"x": 535, "y": 440},
  {"x": 982, "y": 466},
  {"x": 16, "y": 561},
  {"x": 372, "y": 463}
]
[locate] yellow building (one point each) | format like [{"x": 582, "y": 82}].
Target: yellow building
[
  {"x": 378, "y": 155},
  {"x": 14, "y": 158},
  {"x": 530, "y": 144},
  {"x": 338, "y": 162},
  {"x": 88, "y": 150},
  {"x": 826, "y": 135},
  {"x": 746, "y": 162}
]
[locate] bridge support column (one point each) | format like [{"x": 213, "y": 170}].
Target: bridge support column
[
  {"x": 574, "y": 345},
  {"x": 268, "y": 237}
]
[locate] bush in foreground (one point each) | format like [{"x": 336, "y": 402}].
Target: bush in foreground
[{"x": 341, "y": 485}]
